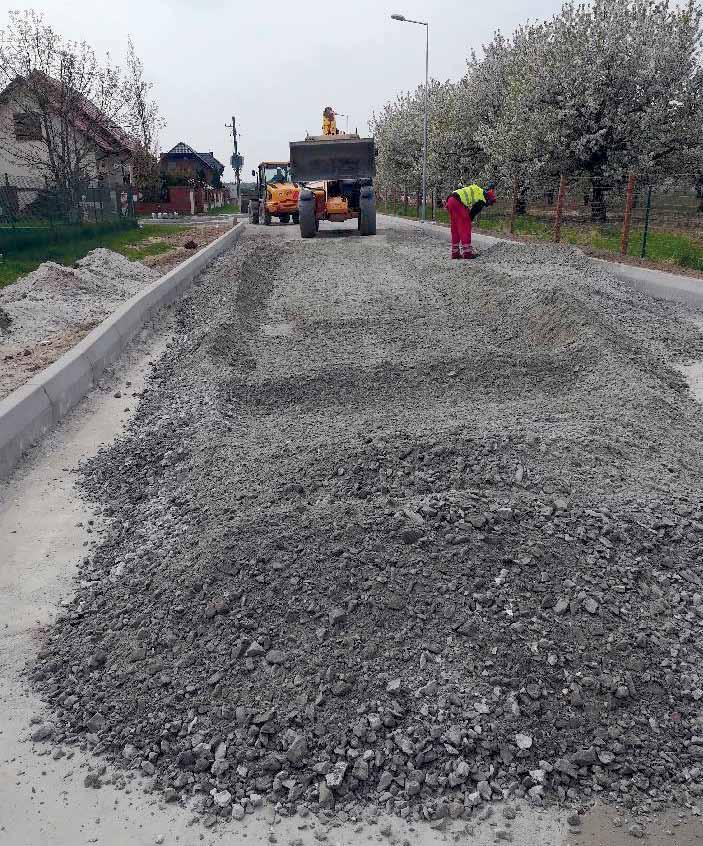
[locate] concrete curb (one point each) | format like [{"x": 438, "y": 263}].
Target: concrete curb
[
  {"x": 656, "y": 283},
  {"x": 30, "y": 411}
]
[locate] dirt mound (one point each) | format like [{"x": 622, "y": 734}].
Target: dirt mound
[
  {"x": 50, "y": 308},
  {"x": 441, "y": 545},
  {"x": 54, "y": 298}
]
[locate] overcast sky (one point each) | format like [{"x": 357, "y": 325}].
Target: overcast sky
[{"x": 276, "y": 64}]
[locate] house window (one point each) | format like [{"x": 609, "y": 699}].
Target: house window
[{"x": 28, "y": 126}]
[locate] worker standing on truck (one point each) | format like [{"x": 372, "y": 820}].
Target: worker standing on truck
[
  {"x": 464, "y": 206},
  {"x": 329, "y": 121}
]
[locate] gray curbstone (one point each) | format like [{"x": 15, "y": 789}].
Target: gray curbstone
[
  {"x": 30, "y": 411},
  {"x": 66, "y": 381},
  {"x": 101, "y": 346},
  {"x": 25, "y": 416}
]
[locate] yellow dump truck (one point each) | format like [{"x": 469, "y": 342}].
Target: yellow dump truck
[
  {"x": 335, "y": 174},
  {"x": 277, "y": 195}
]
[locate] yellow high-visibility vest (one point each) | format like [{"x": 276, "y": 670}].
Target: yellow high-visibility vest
[{"x": 470, "y": 195}]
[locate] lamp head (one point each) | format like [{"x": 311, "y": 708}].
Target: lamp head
[{"x": 398, "y": 17}]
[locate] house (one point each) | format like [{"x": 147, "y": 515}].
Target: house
[
  {"x": 193, "y": 180},
  {"x": 105, "y": 150},
  {"x": 184, "y": 164}
]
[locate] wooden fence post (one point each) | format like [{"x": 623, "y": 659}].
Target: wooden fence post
[
  {"x": 629, "y": 198},
  {"x": 513, "y": 211},
  {"x": 647, "y": 212},
  {"x": 560, "y": 208}
]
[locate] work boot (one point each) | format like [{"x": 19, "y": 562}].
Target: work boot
[
  {"x": 469, "y": 253},
  {"x": 456, "y": 253}
]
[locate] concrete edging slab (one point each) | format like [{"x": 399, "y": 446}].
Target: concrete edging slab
[{"x": 31, "y": 410}]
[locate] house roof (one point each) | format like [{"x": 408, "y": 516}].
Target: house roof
[
  {"x": 214, "y": 163},
  {"x": 185, "y": 150},
  {"x": 86, "y": 116}
]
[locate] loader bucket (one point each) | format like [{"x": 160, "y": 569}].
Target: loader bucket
[{"x": 334, "y": 158}]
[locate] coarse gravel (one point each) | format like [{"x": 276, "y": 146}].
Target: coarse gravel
[{"x": 397, "y": 532}]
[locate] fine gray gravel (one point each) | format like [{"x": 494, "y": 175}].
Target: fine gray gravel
[{"x": 394, "y": 531}]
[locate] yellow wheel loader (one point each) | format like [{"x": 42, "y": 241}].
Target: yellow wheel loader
[
  {"x": 335, "y": 174},
  {"x": 276, "y": 194}
]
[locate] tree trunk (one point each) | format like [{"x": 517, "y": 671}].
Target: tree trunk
[
  {"x": 699, "y": 194},
  {"x": 599, "y": 207}
]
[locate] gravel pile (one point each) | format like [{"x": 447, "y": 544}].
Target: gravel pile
[
  {"x": 54, "y": 298},
  {"x": 390, "y": 531}
]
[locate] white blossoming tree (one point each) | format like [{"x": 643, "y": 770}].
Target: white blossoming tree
[{"x": 595, "y": 92}]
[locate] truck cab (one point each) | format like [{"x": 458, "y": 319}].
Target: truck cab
[{"x": 277, "y": 194}]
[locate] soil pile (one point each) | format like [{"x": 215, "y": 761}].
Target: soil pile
[
  {"x": 437, "y": 543},
  {"x": 54, "y": 298},
  {"x": 46, "y": 312}
]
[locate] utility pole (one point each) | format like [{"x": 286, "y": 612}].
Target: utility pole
[{"x": 236, "y": 160}]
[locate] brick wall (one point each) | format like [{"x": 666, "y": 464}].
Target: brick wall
[{"x": 181, "y": 199}]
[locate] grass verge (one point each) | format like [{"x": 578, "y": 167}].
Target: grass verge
[
  {"x": 135, "y": 244},
  {"x": 229, "y": 208}
]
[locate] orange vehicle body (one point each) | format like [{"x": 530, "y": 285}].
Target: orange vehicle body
[
  {"x": 281, "y": 197},
  {"x": 277, "y": 195},
  {"x": 332, "y": 208},
  {"x": 335, "y": 173}
]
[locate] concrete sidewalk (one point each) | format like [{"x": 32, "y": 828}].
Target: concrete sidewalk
[
  {"x": 191, "y": 220},
  {"x": 656, "y": 283}
]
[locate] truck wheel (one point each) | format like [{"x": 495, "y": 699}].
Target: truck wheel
[
  {"x": 296, "y": 218},
  {"x": 367, "y": 212},
  {"x": 266, "y": 215},
  {"x": 284, "y": 218},
  {"x": 244, "y": 206},
  {"x": 306, "y": 214},
  {"x": 253, "y": 212}
]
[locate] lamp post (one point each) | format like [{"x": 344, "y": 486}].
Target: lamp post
[{"x": 403, "y": 19}]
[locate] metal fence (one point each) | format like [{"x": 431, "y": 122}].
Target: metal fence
[
  {"x": 660, "y": 220},
  {"x": 26, "y": 200}
]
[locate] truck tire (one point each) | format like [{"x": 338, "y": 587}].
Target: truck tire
[
  {"x": 306, "y": 214},
  {"x": 367, "y": 211},
  {"x": 284, "y": 218},
  {"x": 266, "y": 215},
  {"x": 296, "y": 218},
  {"x": 244, "y": 206},
  {"x": 253, "y": 211}
]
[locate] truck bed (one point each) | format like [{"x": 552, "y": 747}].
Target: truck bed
[{"x": 333, "y": 157}]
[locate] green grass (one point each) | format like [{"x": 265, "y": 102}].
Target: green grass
[
  {"x": 662, "y": 247},
  {"x": 229, "y": 208},
  {"x": 128, "y": 242},
  {"x": 11, "y": 269}
]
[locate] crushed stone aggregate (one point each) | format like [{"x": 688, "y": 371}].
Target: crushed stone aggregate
[{"x": 434, "y": 544}]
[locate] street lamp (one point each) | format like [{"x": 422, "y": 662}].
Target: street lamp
[{"x": 403, "y": 19}]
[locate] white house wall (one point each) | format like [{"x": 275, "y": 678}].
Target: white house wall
[{"x": 13, "y": 153}]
